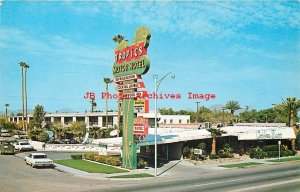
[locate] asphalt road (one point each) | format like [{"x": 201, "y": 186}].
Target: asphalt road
[
  {"x": 16, "y": 176},
  {"x": 281, "y": 177}
]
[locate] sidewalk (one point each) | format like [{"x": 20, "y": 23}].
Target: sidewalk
[{"x": 171, "y": 169}]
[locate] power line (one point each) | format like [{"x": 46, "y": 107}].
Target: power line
[{"x": 235, "y": 10}]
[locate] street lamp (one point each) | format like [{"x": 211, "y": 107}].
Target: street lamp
[{"x": 157, "y": 84}]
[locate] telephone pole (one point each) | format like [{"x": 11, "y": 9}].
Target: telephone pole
[
  {"x": 197, "y": 102},
  {"x": 223, "y": 109}
]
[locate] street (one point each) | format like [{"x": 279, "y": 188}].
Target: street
[
  {"x": 281, "y": 177},
  {"x": 16, "y": 176}
]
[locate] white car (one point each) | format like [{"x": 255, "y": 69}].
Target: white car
[
  {"x": 38, "y": 160},
  {"x": 23, "y": 146}
]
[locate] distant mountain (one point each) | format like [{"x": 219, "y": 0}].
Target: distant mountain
[
  {"x": 217, "y": 107},
  {"x": 64, "y": 110}
]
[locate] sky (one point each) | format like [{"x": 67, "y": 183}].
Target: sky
[{"x": 247, "y": 51}]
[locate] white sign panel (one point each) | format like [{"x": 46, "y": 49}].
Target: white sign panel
[
  {"x": 139, "y": 110},
  {"x": 198, "y": 151},
  {"x": 266, "y": 134},
  {"x": 102, "y": 151}
]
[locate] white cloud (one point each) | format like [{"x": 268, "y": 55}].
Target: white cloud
[
  {"x": 200, "y": 18},
  {"x": 54, "y": 46}
]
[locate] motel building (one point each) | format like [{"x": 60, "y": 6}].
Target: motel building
[{"x": 172, "y": 138}]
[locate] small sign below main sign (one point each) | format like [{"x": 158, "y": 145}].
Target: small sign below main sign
[
  {"x": 198, "y": 151},
  {"x": 140, "y": 126}
]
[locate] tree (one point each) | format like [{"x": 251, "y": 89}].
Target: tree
[
  {"x": 38, "y": 117},
  {"x": 291, "y": 105},
  {"x": 249, "y": 116},
  {"x": 43, "y": 137},
  {"x": 214, "y": 134},
  {"x": 106, "y": 81},
  {"x": 78, "y": 129},
  {"x": 232, "y": 106},
  {"x": 118, "y": 38}
]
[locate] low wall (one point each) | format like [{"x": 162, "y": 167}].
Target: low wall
[{"x": 65, "y": 147}]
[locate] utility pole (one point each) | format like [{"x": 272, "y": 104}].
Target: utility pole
[
  {"x": 197, "y": 102},
  {"x": 119, "y": 116},
  {"x": 93, "y": 104},
  {"x": 223, "y": 109},
  {"x": 6, "y": 106}
]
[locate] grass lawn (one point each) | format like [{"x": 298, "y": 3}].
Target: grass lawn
[
  {"x": 285, "y": 159},
  {"x": 241, "y": 165},
  {"x": 89, "y": 166},
  {"x": 139, "y": 175}
]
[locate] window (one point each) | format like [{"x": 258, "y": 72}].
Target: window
[
  {"x": 165, "y": 121},
  {"x": 179, "y": 120},
  {"x": 171, "y": 121},
  {"x": 188, "y": 121}
]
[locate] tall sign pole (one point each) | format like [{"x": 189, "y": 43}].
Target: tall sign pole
[{"x": 131, "y": 62}]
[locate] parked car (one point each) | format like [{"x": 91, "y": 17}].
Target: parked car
[
  {"x": 6, "y": 147},
  {"x": 38, "y": 160},
  {"x": 21, "y": 136},
  {"x": 23, "y": 146},
  {"x": 5, "y": 133}
]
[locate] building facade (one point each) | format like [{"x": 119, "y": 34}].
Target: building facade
[{"x": 98, "y": 119}]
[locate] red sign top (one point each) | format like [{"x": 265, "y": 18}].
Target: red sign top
[{"x": 129, "y": 53}]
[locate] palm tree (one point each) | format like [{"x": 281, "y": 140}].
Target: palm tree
[
  {"x": 232, "y": 106},
  {"x": 214, "y": 134},
  {"x": 6, "y": 106},
  {"x": 106, "y": 81},
  {"x": 291, "y": 105},
  {"x": 118, "y": 38}
]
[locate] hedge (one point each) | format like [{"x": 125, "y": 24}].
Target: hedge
[
  {"x": 271, "y": 154},
  {"x": 76, "y": 156},
  {"x": 115, "y": 161},
  {"x": 273, "y": 148}
]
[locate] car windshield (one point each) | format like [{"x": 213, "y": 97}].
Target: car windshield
[
  {"x": 39, "y": 156},
  {"x": 26, "y": 143}
]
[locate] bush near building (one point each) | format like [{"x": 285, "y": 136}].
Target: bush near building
[
  {"x": 75, "y": 157},
  {"x": 271, "y": 151},
  {"x": 115, "y": 161}
]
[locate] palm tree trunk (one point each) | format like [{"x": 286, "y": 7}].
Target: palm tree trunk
[
  {"x": 213, "y": 146},
  {"x": 106, "y": 105},
  {"x": 292, "y": 118},
  {"x": 25, "y": 93},
  {"x": 119, "y": 116},
  {"x": 23, "y": 124}
]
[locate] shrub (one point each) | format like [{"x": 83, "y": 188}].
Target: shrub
[
  {"x": 76, "y": 156},
  {"x": 115, "y": 161},
  {"x": 203, "y": 147},
  {"x": 186, "y": 151},
  {"x": 226, "y": 152},
  {"x": 258, "y": 154},
  {"x": 90, "y": 156},
  {"x": 274, "y": 148},
  {"x": 43, "y": 136},
  {"x": 142, "y": 163},
  {"x": 212, "y": 156}
]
